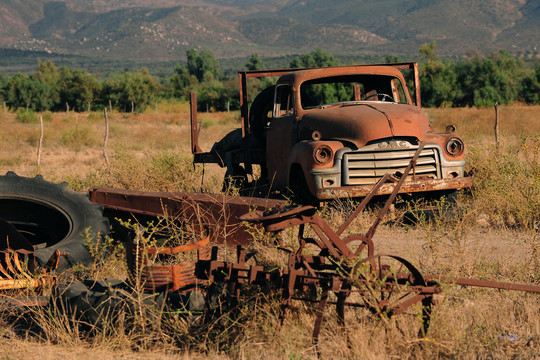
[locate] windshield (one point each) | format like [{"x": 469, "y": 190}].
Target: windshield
[{"x": 350, "y": 89}]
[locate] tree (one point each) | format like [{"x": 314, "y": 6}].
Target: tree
[
  {"x": 4, "y": 85},
  {"x": 486, "y": 80},
  {"x": 428, "y": 51},
  {"x": 317, "y": 58},
  {"x": 78, "y": 88},
  {"x": 199, "y": 64},
  {"x": 132, "y": 88},
  {"x": 47, "y": 95},
  {"x": 437, "y": 79},
  {"x": 22, "y": 91},
  {"x": 530, "y": 87},
  {"x": 255, "y": 63},
  {"x": 182, "y": 82}
]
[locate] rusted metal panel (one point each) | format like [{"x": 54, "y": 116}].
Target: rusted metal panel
[
  {"x": 413, "y": 186},
  {"x": 217, "y": 213},
  {"x": 485, "y": 283}
]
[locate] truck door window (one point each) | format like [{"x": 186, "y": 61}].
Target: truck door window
[{"x": 284, "y": 101}]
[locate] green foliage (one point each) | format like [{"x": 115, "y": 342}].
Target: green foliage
[
  {"x": 78, "y": 88},
  {"x": 479, "y": 81},
  {"x": 530, "y": 87},
  {"x": 255, "y": 63},
  {"x": 27, "y": 116},
  {"x": 137, "y": 89},
  {"x": 317, "y": 58},
  {"x": 212, "y": 95},
  {"x": 203, "y": 63},
  {"x": 4, "y": 83},
  {"x": 484, "y": 81},
  {"x": 438, "y": 81},
  {"x": 78, "y": 137},
  {"x": 182, "y": 82}
]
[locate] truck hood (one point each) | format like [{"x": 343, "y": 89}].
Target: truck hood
[{"x": 365, "y": 122}]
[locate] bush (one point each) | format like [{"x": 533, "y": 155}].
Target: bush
[{"x": 27, "y": 116}]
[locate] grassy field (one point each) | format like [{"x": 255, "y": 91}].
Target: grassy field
[{"x": 496, "y": 238}]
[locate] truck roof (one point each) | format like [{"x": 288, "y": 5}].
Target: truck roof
[{"x": 302, "y": 75}]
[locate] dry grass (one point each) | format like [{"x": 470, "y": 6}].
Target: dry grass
[{"x": 495, "y": 237}]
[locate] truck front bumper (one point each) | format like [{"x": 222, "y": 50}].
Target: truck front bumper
[{"x": 413, "y": 186}]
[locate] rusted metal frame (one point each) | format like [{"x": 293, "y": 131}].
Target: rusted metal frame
[
  {"x": 417, "y": 95},
  {"x": 363, "y": 204},
  {"x": 382, "y": 213},
  {"x": 401, "y": 307},
  {"x": 485, "y": 283},
  {"x": 320, "y": 314},
  {"x": 279, "y": 72},
  {"x": 244, "y": 114},
  {"x": 178, "y": 249},
  {"x": 220, "y": 213},
  {"x": 419, "y": 185},
  {"x": 195, "y": 149},
  {"x": 335, "y": 245}
]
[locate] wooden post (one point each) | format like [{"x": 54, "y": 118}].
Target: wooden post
[
  {"x": 40, "y": 141},
  {"x": 77, "y": 133},
  {"x": 67, "y": 107},
  {"x": 110, "y": 106},
  {"x": 89, "y": 106},
  {"x": 156, "y": 107},
  {"x": 106, "y": 137},
  {"x": 5, "y": 106},
  {"x": 132, "y": 106},
  {"x": 497, "y": 125}
]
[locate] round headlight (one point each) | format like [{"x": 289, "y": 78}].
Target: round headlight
[
  {"x": 323, "y": 154},
  {"x": 455, "y": 146}
]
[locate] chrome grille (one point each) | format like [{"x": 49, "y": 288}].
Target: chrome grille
[{"x": 368, "y": 165}]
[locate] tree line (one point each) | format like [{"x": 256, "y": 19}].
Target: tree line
[{"x": 478, "y": 81}]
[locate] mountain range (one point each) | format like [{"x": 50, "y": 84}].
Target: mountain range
[{"x": 162, "y": 30}]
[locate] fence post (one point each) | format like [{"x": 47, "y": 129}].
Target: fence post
[
  {"x": 40, "y": 141},
  {"x": 497, "y": 125},
  {"x": 106, "y": 137}
]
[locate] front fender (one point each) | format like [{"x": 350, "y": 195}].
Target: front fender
[{"x": 302, "y": 155}]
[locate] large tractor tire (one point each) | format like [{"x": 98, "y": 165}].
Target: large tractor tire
[{"x": 52, "y": 217}]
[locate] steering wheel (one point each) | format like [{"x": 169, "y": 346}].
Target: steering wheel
[{"x": 384, "y": 96}]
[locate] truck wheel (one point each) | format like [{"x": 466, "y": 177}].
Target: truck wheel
[
  {"x": 52, "y": 217},
  {"x": 260, "y": 113}
]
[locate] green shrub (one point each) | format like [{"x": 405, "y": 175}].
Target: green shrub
[
  {"x": 27, "y": 116},
  {"x": 77, "y": 138}
]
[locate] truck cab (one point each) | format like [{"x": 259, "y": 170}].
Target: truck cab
[{"x": 334, "y": 132}]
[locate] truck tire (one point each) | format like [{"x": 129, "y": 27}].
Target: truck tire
[
  {"x": 259, "y": 111},
  {"x": 52, "y": 217}
]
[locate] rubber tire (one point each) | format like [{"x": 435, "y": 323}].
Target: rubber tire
[
  {"x": 258, "y": 113},
  {"x": 52, "y": 217}
]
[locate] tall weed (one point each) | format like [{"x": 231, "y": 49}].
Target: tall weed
[{"x": 507, "y": 184}]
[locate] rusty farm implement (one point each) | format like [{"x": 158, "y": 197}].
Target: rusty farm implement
[{"x": 324, "y": 267}]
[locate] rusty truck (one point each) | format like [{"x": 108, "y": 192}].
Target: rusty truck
[{"x": 326, "y": 133}]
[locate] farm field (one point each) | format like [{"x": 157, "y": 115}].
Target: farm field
[{"x": 496, "y": 237}]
